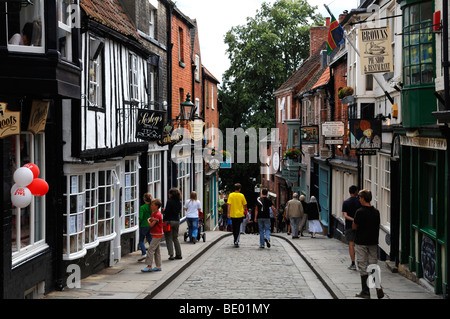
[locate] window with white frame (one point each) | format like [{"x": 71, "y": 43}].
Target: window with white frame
[
  {"x": 154, "y": 174},
  {"x": 28, "y": 224},
  {"x": 151, "y": 22},
  {"x": 131, "y": 196},
  {"x": 25, "y": 26},
  {"x": 73, "y": 230},
  {"x": 91, "y": 210},
  {"x": 212, "y": 96},
  {"x": 153, "y": 81},
  {"x": 106, "y": 203},
  {"x": 385, "y": 189},
  {"x": 95, "y": 70},
  {"x": 134, "y": 77},
  {"x": 197, "y": 68},
  {"x": 371, "y": 180},
  {"x": 67, "y": 16},
  {"x": 183, "y": 181}
]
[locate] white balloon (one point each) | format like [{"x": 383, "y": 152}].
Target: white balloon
[
  {"x": 13, "y": 188},
  {"x": 23, "y": 176},
  {"x": 21, "y": 197}
]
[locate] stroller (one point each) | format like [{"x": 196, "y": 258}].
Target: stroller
[{"x": 201, "y": 229}]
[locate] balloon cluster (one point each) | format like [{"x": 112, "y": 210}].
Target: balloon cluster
[{"x": 26, "y": 185}]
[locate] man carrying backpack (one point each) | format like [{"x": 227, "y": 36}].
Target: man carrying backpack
[{"x": 262, "y": 217}]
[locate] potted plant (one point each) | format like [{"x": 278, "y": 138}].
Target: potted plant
[{"x": 292, "y": 154}]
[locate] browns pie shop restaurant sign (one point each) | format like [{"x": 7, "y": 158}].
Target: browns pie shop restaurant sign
[{"x": 9, "y": 122}]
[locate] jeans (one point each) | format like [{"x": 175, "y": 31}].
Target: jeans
[
  {"x": 193, "y": 227},
  {"x": 144, "y": 232},
  {"x": 264, "y": 230}
]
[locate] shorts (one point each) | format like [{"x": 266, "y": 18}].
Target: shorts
[{"x": 350, "y": 235}]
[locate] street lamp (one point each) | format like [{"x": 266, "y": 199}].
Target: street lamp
[{"x": 185, "y": 107}]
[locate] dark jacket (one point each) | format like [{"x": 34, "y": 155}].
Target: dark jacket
[{"x": 172, "y": 210}]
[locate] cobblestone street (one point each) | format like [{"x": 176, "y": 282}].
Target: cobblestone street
[{"x": 249, "y": 272}]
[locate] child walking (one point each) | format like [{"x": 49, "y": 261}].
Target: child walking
[{"x": 156, "y": 230}]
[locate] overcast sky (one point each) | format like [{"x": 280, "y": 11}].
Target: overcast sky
[{"x": 216, "y": 17}]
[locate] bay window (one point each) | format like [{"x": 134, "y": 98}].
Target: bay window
[{"x": 154, "y": 174}]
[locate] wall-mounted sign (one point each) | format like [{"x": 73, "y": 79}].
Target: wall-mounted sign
[
  {"x": 428, "y": 258},
  {"x": 333, "y": 129},
  {"x": 196, "y": 130},
  {"x": 149, "y": 125},
  {"x": 365, "y": 134},
  {"x": 375, "y": 50},
  {"x": 309, "y": 134},
  {"x": 9, "y": 122},
  {"x": 38, "y": 116}
]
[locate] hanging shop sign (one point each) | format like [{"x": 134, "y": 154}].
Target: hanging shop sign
[
  {"x": 169, "y": 137},
  {"x": 375, "y": 50},
  {"x": 9, "y": 122},
  {"x": 309, "y": 134},
  {"x": 333, "y": 129},
  {"x": 196, "y": 130},
  {"x": 149, "y": 125},
  {"x": 38, "y": 116},
  {"x": 365, "y": 134}
]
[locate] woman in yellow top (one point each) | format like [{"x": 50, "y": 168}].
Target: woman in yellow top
[{"x": 236, "y": 207}]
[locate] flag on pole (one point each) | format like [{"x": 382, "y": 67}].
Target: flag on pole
[{"x": 335, "y": 34}]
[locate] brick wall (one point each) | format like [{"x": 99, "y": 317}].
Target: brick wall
[{"x": 317, "y": 36}]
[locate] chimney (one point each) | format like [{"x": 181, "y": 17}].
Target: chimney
[{"x": 317, "y": 36}]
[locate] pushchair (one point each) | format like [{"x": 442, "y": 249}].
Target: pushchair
[{"x": 201, "y": 229}]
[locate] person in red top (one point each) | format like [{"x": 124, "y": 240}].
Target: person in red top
[{"x": 156, "y": 230}]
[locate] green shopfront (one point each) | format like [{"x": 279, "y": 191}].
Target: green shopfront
[{"x": 423, "y": 153}]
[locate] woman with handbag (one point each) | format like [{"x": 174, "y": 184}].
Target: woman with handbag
[
  {"x": 172, "y": 214},
  {"x": 193, "y": 208}
]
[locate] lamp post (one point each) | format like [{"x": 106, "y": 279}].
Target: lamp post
[{"x": 188, "y": 106}]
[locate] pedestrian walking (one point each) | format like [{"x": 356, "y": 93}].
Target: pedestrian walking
[
  {"x": 304, "y": 219},
  {"x": 144, "y": 229},
  {"x": 280, "y": 219},
  {"x": 367, "y": 225},
  {"x": 225, "y": 214},
  {"x": 156, "y": 230},
  {"x": 193, "y": 207},
  {"x": 349, "y": 208},
  {"x": 219, "y": 205},
  {"x": 294, "y": 211},
  {"x": 273, "y": 218},
  {"x": 238, "y": 204},
  {"x": 262, "y": 217},
  {"x": 172, "y": 213},
  {"x": 314, "y": 217}
]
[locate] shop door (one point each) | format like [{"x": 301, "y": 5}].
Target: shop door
[{"x": 324, "y": 195}]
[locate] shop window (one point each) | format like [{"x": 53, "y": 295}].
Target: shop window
[
  {"x": 91, "y": 210},
  {"x": 73, "y": 238},
  {"x": 154, "y": 174},
  {"x": 183, "y": 181},
  {"x": 131, "y": 198},
  {"x": 106, "y": 204},
  {"x": 25, "y": 26},
  {"x": 418, "y": 62},
  {"x": 28, "y": 224}
]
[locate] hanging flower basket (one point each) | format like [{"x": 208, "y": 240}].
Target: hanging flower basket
[
  {"x": 292, "y": 154},
  {"x": 345, "y": 91},
  {"x": 225, "y": 154}
]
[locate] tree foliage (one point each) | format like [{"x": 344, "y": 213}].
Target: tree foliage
[{"x": 263, "y": 54}]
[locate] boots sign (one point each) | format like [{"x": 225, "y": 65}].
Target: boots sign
[{"x": 9, "y": 122}]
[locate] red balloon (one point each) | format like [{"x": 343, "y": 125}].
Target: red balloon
[
  {"x": 38, "y": 187},
  {"x": 34, "y": 168}
]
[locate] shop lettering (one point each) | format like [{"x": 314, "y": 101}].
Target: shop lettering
[
  {"x": 374, "y": 35},
  {"x": 152, "y": 120},
  {"x": 5, "y": 123}
]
